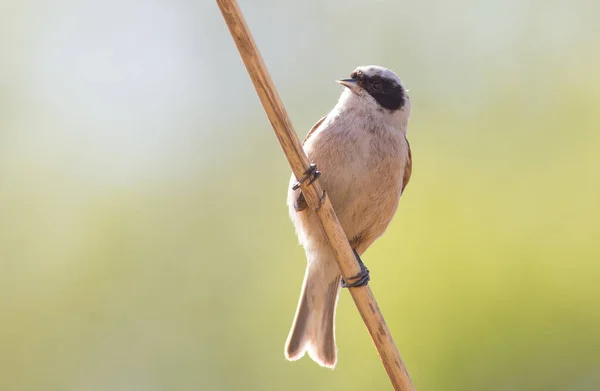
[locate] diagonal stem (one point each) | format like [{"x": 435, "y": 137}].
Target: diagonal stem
[{"x": 363, "y": 297}]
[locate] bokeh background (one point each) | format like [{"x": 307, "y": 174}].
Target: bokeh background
[{"x": 144, "y": 239}]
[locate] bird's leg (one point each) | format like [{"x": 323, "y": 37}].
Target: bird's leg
[
  {"x": 312, "y": 173},
  {"x": 361, "y": 278}
]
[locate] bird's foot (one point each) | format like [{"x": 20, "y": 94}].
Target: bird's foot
[
  {"x": 312, "y": 173},
  {"x": 361, "y": 279}
]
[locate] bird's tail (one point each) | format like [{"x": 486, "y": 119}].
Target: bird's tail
[{"x": 313, "y": 329}]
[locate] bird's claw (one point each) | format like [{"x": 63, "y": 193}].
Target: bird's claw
[
  {"x": 361, "y": 279},
  {"x": 312, "y": 173}
]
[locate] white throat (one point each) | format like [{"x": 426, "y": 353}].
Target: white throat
[{"x": 363, "y": 104}]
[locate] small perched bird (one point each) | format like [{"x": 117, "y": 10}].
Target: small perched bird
[{"x": 365, "y": 159}]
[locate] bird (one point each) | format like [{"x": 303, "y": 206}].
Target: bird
[{"x": 363, "y": 160}]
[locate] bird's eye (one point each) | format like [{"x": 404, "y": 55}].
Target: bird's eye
[
  {"x": 354, "y": 75},
  {"x": 377, "y": 86}
]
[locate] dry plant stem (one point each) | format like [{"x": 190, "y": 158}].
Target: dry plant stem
[{"x": 363, "y": 297}]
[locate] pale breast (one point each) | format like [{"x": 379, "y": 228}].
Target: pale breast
[{"x": 362, "y": 169}]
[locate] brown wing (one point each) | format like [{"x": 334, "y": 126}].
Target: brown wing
[
  {"x": 300, "y": 203},
  {"x": 312, "y": 130},
  {"x": 407, "y": 168}
]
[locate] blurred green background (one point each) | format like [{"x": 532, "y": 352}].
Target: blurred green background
[{"x": 144, "y": 239}]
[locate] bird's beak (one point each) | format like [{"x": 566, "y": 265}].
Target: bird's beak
[{"x": 352, "y": 84}]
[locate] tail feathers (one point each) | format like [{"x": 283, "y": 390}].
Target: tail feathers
[{"x": 313, "y": 330}]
